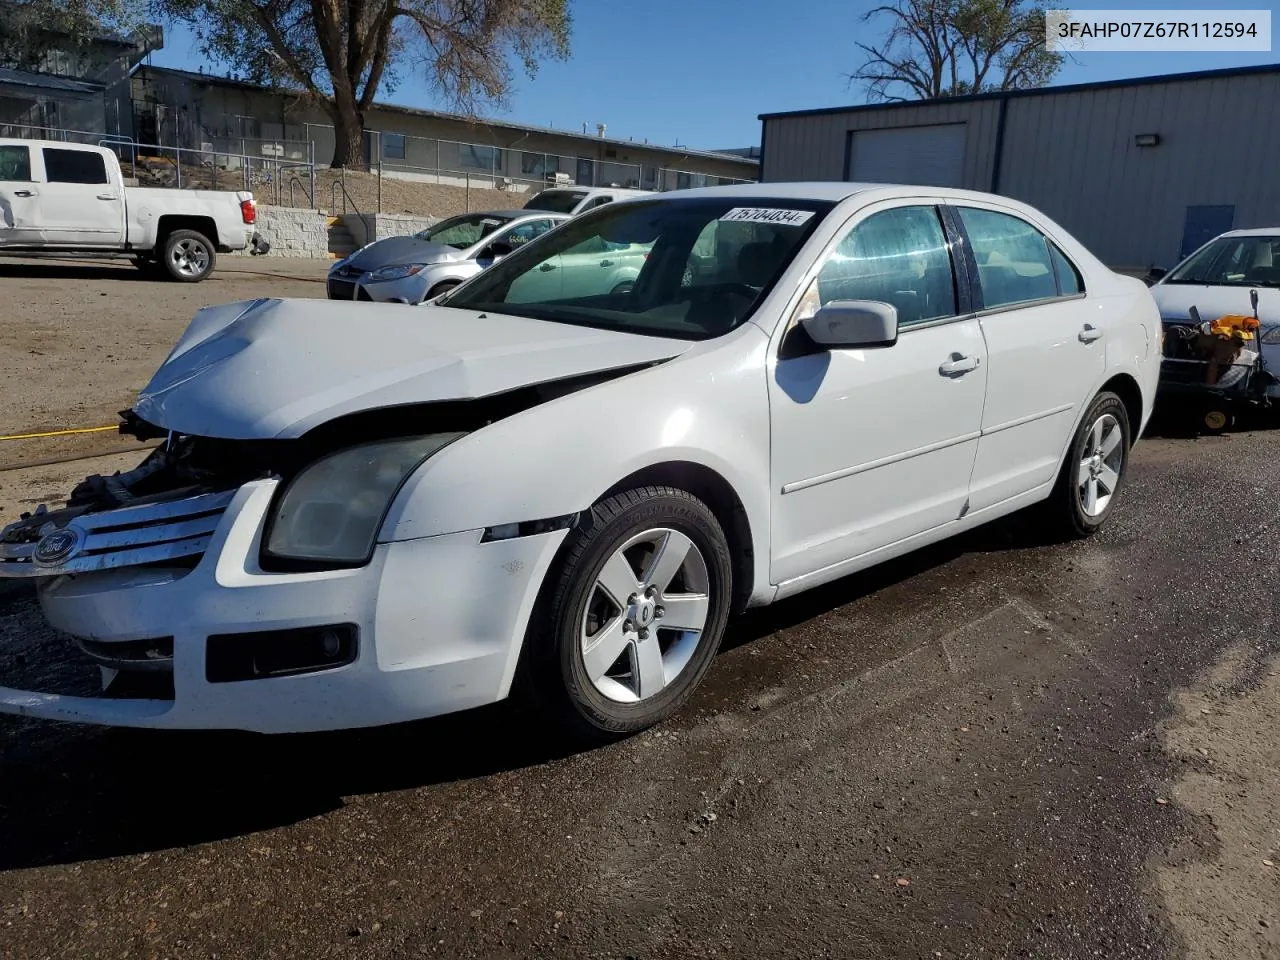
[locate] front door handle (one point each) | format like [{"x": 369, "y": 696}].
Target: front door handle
[
  {"x": 1090, "y": 333},
  {"x": 547, "y": 266},
  {"x": 958, "y": 364},
  {"x": 606, "y": 263},
  {"x": 24, "y": 193},
  {"x": 107, "y": 196}
]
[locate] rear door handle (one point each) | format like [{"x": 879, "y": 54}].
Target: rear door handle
[
  {"x": 1090, "y": 333},
  {"x": 606, "y": 263},
  {"x": 107, "y": 196},
  {"x": 547, "y": 266},
  {"x": 958, "y": 364},
  {"x": 24, "y": 193}
]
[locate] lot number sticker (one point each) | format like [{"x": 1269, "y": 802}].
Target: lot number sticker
[{"x": 786, "y": 218}]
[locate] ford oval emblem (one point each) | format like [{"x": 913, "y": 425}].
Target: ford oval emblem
[{"x": 58, "y": 547}]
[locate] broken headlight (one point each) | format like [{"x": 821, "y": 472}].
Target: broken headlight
[{"x": 330, "y": 513}]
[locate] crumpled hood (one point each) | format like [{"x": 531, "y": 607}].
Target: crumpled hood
[
  {"x": 267, "y": 369},
  {"x": 397, "y": 250}
]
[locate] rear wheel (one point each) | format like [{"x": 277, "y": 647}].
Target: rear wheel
[
  {"x": 1086, "y": 488},
  {"x": 631, "y": 620},
  {"x": 188, "y": 256}
]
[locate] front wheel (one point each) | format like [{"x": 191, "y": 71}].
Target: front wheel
[
  {"x": 631, "y": 619},
  {"x": 188, "y": 256},
  {"x": 444, "y": 286},
  {"x": 1085, "y": 493}
]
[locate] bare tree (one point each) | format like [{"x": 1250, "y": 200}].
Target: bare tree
[
  {"x": 340, "y": 53},
  {"x": 945, "y": 48}
]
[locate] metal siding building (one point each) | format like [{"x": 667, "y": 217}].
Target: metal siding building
[{"x": 1072, "y": 152}]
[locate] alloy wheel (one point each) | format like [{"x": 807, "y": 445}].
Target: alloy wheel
[
  {"x": 189, "y": 257},
  {"x": 645, "y": 616},
  {"x": 1098, "y": 475}
]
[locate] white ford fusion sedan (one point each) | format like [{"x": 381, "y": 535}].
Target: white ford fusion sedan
[{"x": 524, "y": 489}]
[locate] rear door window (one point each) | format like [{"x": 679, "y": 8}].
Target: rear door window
[
  {"x": 1014, "y": 264},
  {"x": 74, "y": 166},
  {"x": 15, "y": 164}
]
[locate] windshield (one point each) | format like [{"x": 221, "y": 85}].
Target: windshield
[
  {"x": 1233, "y": 261},
  {"x": 686, "y": 268},
  {"x": 556, "y": 201},
  {"x": 464, "y": 231}
]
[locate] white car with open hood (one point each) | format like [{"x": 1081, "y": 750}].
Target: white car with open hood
[{"x": 513, "y": 489}]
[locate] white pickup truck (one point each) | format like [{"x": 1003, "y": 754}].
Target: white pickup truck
[{"x": 70, "y": 198}]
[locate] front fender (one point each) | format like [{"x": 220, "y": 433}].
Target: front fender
[{"x": 708, "y": 407}]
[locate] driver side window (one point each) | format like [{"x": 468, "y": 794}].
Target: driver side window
[
  {"x": 519, "y": 236},
  {"x": 898, "y": 256}
]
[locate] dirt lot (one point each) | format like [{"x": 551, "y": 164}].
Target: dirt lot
[
  {"x": 994, "y": 748},
  {"x": 78, "y": 340}
]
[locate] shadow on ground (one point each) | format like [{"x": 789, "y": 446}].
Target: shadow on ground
[
  {"x": 70, "y": 794},
  {"x": 94, "y": 270}
]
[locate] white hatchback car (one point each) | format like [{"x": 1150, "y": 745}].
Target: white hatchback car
[{"x": 570, "y": 495}]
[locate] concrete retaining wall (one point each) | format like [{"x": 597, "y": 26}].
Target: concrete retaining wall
[
  {"x": 293, "y": 232},
  {"x": 369, "y": 227}
]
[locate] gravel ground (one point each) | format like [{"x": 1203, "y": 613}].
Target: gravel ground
[
  {"x": 79, "y": 339},
  {"x": 961, "y": 754}
]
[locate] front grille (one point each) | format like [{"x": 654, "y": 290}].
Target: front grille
[
  {"x": 166, "y": 531},
  {"x": 341, "y": 290}
]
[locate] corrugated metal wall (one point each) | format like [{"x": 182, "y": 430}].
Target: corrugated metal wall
[
  {"x": 1072, "y": 154},
  {"x": 814, "y": 147}
]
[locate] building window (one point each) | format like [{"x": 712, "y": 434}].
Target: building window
[
  {"x": 476, "y": 157},
  {"x": 393, "y": 146},
  {"x": 534, "y": 165}
]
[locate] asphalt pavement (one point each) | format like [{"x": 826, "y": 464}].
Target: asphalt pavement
[{"x": 959, "y": 754}]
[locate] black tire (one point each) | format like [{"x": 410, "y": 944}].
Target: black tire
[
  {"x": 187, "y": 256},
  {"x": 444, "y": 286},
  {"x": 1065, "y": 509},
  {"x": 554, "y": 674},
  {"x": 626, "y": 286}
]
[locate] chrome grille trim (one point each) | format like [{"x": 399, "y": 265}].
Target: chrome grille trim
[{"x": 129, "y": 536}]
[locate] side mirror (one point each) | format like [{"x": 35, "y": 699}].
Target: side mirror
[
  {"x": 1156, "y": 273},
  {"x": 495, "y": 251},
  {"x": 853, "y": 324}
]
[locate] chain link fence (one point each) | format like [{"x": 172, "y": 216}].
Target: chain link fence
[{"x": 284, "y": 171}]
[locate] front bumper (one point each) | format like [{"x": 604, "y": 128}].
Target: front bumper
[
  {"x": 440, "y": 622},
  {"x": 351, "y": 286}
]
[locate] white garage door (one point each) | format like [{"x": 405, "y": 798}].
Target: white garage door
[{"x": 931, "y": 156}]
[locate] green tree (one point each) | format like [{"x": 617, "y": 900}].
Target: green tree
[
  {"x": 341, "y": 53},
  {"x": 946, "y": 48}
]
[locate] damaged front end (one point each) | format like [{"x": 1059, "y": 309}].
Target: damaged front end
[{"x": 164, "y": 511}]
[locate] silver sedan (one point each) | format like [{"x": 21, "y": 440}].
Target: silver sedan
[{"x": 422, "y": 266}]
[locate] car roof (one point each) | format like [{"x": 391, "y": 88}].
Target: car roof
[
  {"x": 1255, "y": 232},
  {"x": 834, "y": 191},
  {"x": 513, "y": 214}
]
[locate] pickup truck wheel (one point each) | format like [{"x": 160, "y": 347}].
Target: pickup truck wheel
[{"x": 188, "y": 256}]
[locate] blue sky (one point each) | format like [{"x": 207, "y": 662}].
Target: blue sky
[{"x": 698, "y": 72}]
